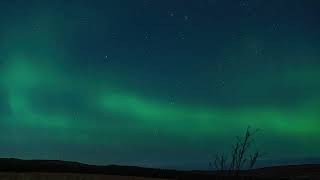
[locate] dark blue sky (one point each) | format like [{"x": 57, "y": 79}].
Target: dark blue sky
[{"x": 158, "y": 83}]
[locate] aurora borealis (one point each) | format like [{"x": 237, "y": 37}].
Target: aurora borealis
[{"x": 158, "y": 83}]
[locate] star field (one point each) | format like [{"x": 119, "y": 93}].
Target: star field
[{"x": 158, "y": 83}]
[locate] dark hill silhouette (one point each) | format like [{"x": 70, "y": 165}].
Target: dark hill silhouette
[
  {"x": 307, "y": 170},
  {"x": 55, "y": 166}
]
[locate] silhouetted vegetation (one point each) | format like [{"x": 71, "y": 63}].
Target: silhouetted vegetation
[{"x": 240, "y": 157}]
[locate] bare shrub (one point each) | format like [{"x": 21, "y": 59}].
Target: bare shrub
[{"x": 240, "y": 157}]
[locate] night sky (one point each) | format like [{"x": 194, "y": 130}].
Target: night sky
[{"x": 158, "y": 83}]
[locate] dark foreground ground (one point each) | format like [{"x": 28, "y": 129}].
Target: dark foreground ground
[{"x": 15, "y": 169}]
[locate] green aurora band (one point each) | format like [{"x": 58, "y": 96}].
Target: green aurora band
[
  {"x": 62, "y": 101},
  {"x": 22, "y": 77}
]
